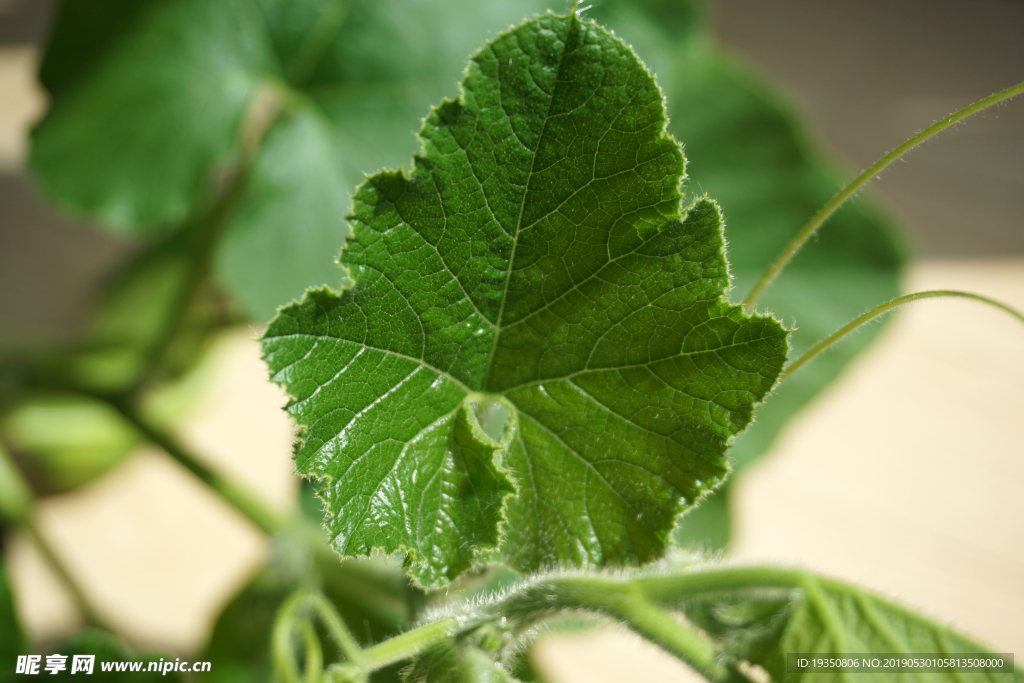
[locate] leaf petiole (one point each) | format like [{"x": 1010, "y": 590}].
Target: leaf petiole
[
  {"x": 401, "y": 647},
  {"x": 627, "y": 602}
]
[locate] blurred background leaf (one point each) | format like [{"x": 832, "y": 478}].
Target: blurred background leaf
[
  {"x": 762, "y": 625},
  {"x": 62, "y": 441}
]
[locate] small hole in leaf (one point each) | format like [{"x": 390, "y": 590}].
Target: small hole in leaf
[{"x": 492, "y": 416}]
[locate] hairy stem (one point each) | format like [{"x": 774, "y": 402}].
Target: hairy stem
[
  {"x": 401, "y": 647},
  {"x": 409, "y": 644},
  {"x": 671, "y": 588},
  {"x": 819, "y": 218},
  {"x": 627, "y": 602},
  {"x": 882, "y": 310}
]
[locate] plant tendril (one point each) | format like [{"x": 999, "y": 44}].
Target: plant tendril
[
  {"x": 882, "y": 310},
  {"x": 819, "y": 218},
  {"x": 294, "y": 616}
]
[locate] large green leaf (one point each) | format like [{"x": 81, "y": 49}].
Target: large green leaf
[
  {"x": 529, "y": 308},
  {"x": 748, "y": 150},
  {"x": 353, "y": 79}
]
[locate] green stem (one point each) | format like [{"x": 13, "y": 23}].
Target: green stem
[
  {"x": 397, "y": 649},
  {"x": 627, "y": 602},
  {"x": 204, "y": 233},
  {"x": 89, "y": 614},
  {"x": 238, "y": 496},
  {"x": 17, "y": 504},
  {"x": 314, "y": 653},
  {"x": 410, "y": 643},
  {"x": 671, "y": 588},
  {"x": 812, "y": 226},
  {"x": 882, "y": 310}
]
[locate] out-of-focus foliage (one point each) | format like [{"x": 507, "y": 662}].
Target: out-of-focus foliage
[
  {"x": 825, "y": 616},
  {"x": 109, "y": 648},
  {"x": 66, "y": 440},
  {"x": 337, "y": 87},
  {"x": 12, "y": 643}
]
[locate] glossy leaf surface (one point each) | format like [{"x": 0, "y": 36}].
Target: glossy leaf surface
[{"x": 530, "y": 312}]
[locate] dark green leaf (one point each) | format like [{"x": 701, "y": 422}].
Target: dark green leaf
[
  {"x": 131, "y": 139},
  {"x": 533, "y": 270}
]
